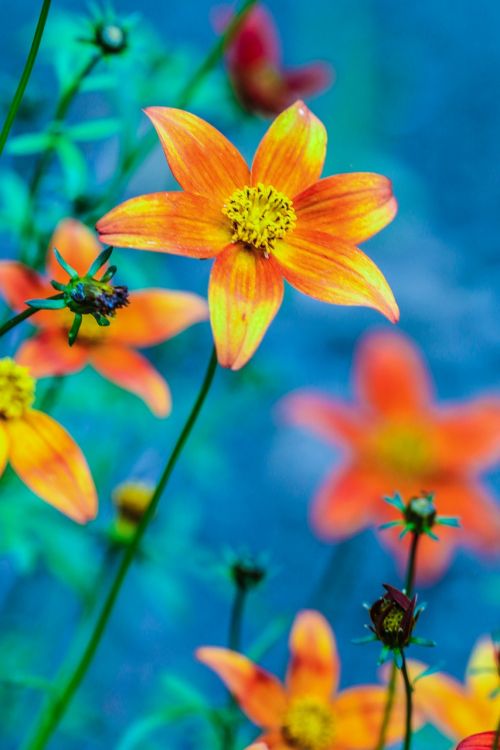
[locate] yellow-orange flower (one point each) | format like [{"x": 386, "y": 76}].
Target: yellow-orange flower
[
  {"x": 307, "y": 713},
  {"x": 457, "y": 709},
  {"x": 39, "y": 450},
  {"x": 152, "y": 316},
  {"x": 398, "y": 440},
  {"x": 276, "y": 221}
]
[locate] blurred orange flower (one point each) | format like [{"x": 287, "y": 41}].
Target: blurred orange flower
[
  {"x": 277, "y": 221},
  {"x": 482, "y": 741},
  {"x": 307, "y": 713},
  {"x": 255, "y": 67},
  {"x": 39, "y": 450},
  {"x": 457, "y": 709},
  {"x": 153, "y": 316},
  {"x": 398, "y": 440}
]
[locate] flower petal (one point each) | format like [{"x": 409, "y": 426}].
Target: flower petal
[
  {"x": 314, "y": 665},
  {"x": 326, "y": 417},
  {"x": 133, "y": 372},
  {"x": 77, "y": 244},
  {"x": 202, "y": 160},
  {"x": 19, "y": 283},
  {"x": 359, "y": 712},
  {"x": 259, "y": 694},
  {"x": 353, "y": 206},
  {"x": 255, "y": 42},
  {"x": 291, "y": 154},
  {"x": 390, "y": 375},
  {"x": 468, "y": 436},
  {"x": 348, "y": 501},
  {"x": 179, "y": 223},
  {"x": 49, "y": 462},
  {"x": 4, "y": 449},
  {"x": 245, "y": 293},
  {"x": 482, "y": 672},
  {"x": 48, "y": 354},
  {"x": 308, "y": 79},
  {"x": 481, "y": 741},
  {"x": 330, "y": 270},
  {"x": 155, "y": 315}
]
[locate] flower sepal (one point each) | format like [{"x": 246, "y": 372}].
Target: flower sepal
[{"x": 419, "y": 515}]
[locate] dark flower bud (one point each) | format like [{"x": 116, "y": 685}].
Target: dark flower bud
[
  {"x": 131, "y": 501},
  {"x": 418, "y": 515},
  {"x": 393, "y": 618},
  {"x": 90, "y": 296},
  {"x": 111, "y": 38},
  {"x": 247, "y": 573}
]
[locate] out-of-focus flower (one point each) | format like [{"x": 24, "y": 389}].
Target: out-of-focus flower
[
  {"x": 398, "y": 440},
  {"x": 277, "y": 221},
  {"x": 307, "y": 713},
  {"x": 257, "y": 746},
  {"x": 394, "y": 617},
  {"x": 39, "y": 450},
  {"x": 131, "y": 500},
  {"x": 152, "y": 316},
  {"x": 457, "y": 709},
  {"x": 481, "y": 741},
  {"x": 254, "y": 61}
]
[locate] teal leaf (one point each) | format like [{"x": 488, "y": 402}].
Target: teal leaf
[
  {"x": 31, "y": 143},
  {"x": 94, "y": 130}
]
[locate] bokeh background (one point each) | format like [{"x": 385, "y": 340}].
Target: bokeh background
[{"x": 416, "y": 97}]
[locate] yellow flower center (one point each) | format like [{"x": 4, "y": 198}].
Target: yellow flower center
[
  {"x": 392, "y": 621},
  {"x": 259, "y": 216},
  {"x": 404, "y": 449},
  {"x": 17, "y": 389},
  {"x": 309, "y": 725}
]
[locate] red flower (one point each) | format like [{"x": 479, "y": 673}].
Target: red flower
[
  {"x": 482, "y": 741},
  {"x": 398, "y": 440},
  {"x": 259, "y": 79}
]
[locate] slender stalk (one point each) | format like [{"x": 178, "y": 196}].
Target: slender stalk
[
  {"x": 25, "y": 76},
  {"x": 234, "y": 643},
  {"x": 13, "y": 322},
  {"x": 57, "y": 705},
  {"x": 409, "y": 702},
  {"x": 391, "y": 686}
]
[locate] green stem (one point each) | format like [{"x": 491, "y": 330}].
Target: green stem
[
  {"x": 391, "y": 686},
  {"x": 56, "y": 707},
  {"x": 23, "y": 81},
  {"x": 228, "y": 734},
  {"x": 409, "y": 702},
  {"x": 13, "y": 322}
]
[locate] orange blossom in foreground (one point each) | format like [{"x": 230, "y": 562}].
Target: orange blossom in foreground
[
  {"x": 307, "y": 713},
  {"x": 255, "y": 67},
  {"x": 277, "y": 221},
  {"x": 457, "y": 709},
  {"x": 482, "y": 741},
  {"x": 152, "y": 316},
  {"x": 39, "y": 450},
  {"x": 398, "y": 440}
]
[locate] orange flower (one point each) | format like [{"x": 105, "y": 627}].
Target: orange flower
[
  {"x": 39, "y": 450},
  {"x": 482, "y": 741},
  {"x": 458, "y": 709},
  {"x": 307, "y": 713},
  {"x": 259, "y": 79},
  {"x": 397, "y": 440},
  {"x": 277, "y": 221},
  {"x": 152, "y": 316}
]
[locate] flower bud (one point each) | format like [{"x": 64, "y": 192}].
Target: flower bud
[
  {"x": 131, "y": 500},
  {"x": 247, "y": 573},
  {"x": 393, "y": 618}
]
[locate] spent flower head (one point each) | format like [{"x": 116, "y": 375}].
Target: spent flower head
[
  {"x": 419, "y": 515},
  {"x": 131, "y": 501}
]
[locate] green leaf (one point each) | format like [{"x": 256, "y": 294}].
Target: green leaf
[
  {"x": 46, "y": 304},
  {"x": 99, "y": 82},
  {"x": 31, "y": 143},
  {"x": 94, "y": 130},
  {"x": 73, "y": 166},
  {"x": 430, "y": 670}
]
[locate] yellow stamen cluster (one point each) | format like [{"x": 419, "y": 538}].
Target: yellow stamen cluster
[
  {"x": 17, "y": 389},
  {"x": 259, "y": 216},
  {"x": 404, "y": 449},
  {"x": 132, "y": 499},
  {"x": 309, "y": 724},
  {"x": 392, "y": 621}
]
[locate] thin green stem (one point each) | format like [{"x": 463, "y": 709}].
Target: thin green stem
[
  {"x": 228, "y": 733},
  {"x": 409, "y": 702},
  {"x": 57, "y": 705},
  {"x": 391, "y": 686},
  {"x": 23, "y": 81},
  {"x": 13, "y": 322}
]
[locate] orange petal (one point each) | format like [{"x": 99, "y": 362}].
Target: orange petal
[
  {"x": 245, "y": 293},
  {"x": 468, "y": 437},
  {"x": 78, "y": 246},
  {"x": 260, "y": 695},
  {"x": 291, "y": 154},
  {"x": 202, "y": 160},
  {"x": 274, "y": 740},
  {"x": 19, "y": 283},
  {"x": 133, "y": 372},
  {"x": 49, "y": 462},
  {"x": 359, "y": 713},
  {"x": 481, "y": 741},
  {"x": 155, "y": 315},
  {"x": 330, "y": 270},
  {"x": 348, "y": 501},
  {"x": 482, "y": 673},
  {"x": 48, "y": 353},
  {"x": 4, "y": 450},
  {"x": 314, "y": 665},
  {"x": 324, "y": 416},
  {"x": 353, "y": 207},
  {"x": 390, "y": 375},
  {"x": 179, "y": 223}
]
